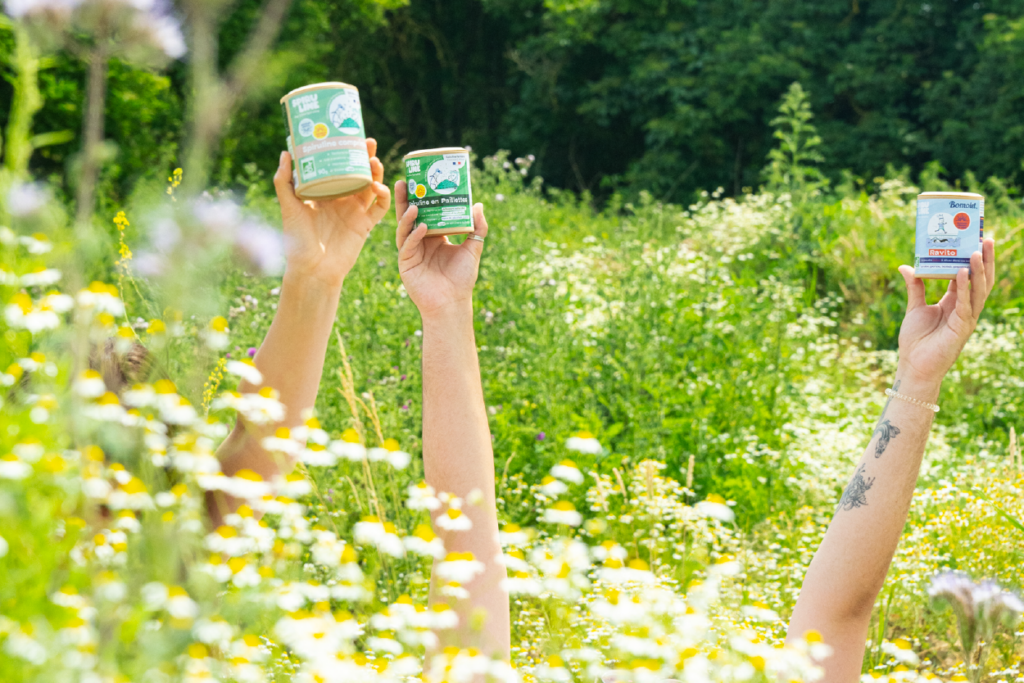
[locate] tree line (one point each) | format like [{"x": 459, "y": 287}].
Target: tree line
[{"x": 668, "y": 96}]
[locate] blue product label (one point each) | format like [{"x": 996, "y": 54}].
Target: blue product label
[{"x": 948, "y": 232}]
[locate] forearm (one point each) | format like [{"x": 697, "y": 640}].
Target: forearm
[
  {"x": 849, "y": 569},
  {"x": 291, "y": 360},
  {"x": 458, "y": 459}
]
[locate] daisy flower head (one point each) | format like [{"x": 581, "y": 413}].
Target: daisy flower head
[
  {"x": 106, "y": 408},
  {"x": 20, "y": 313},
  {"x": 281, "y": 442},
  {"x": 295, "y": 485},
  {"x": 310, "y": 430},
  {"x": 563, "y": 512},
  {"x": 216, "y": 333},
  {"x": 245, "y": 369},
  {"x": 715, "y": 507},
  {"x": 12, "y": 467},
  {"x": 421, "y": 497},
  {"x": 902, "y": 651},
  {"x": 552, "y": 487},
  {"x": 132, "y": 494},
  {"x": 391, "y": 453},
  {"x": 349, "y": 446},
  {"x": 567, "y": 471},
  {"x": 513, "y": 534},
  {"x": 381, "y": 535},
  {"x": 89, "y": 384},
  {"x": 41, "y": 277},
  {"x": 101, "y": 298},
  {"x": 453, "y": 520},
  {"x": 36, "y": 244},
  {"x": 460, "y": 567},
  {"x": 584, "y": 442},
  {"x": 246, "y": 484},
  {"x": 317, "y": 455},
  {"x": 424, "y": 541},
  {"x": 521, "y": 583}
]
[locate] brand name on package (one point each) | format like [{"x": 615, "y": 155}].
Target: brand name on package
[
  {"x": 306, "y": 103},
  {"x": 963, "y": 205}
]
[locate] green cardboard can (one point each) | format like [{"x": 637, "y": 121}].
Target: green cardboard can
[
  {"x": 326, "y": 140},
  {"x": 438, "y": 183}
]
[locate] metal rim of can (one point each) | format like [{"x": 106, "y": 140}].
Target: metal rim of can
[
  {"x": 951, "y": 195},
  {"x": 329, "y": 85},
  {"x": 435, "y": 151}
]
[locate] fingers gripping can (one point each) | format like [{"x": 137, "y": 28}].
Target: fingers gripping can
[
  {"x": 950, "y": 227},
  {"x": 438, "y": 184},
  {"x": 326, "y": 140}
]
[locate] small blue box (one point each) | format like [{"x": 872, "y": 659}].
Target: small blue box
[{"x": 950, "y": 227}]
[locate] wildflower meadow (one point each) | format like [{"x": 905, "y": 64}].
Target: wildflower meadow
[{"x": 676, "y": 395}]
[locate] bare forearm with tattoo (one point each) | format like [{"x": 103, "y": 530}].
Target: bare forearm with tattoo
[{"x": 849, "y": 568}]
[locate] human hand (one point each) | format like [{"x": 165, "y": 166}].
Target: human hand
[
  {"x": 323, "y": 238},
  {"x": 932, "y": 337},
  {"x": 436, "y": 273}
]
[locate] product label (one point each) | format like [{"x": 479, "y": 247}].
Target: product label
[
  {"x": 439, "y": 186},
  {"x": 948, "y": 232},
  {"x": 326, "y": 135}
]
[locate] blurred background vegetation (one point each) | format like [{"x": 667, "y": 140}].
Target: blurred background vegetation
[{"x": 667, "y": 96}]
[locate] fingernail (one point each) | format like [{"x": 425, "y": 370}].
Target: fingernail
[{"x": 280, "y": 159}]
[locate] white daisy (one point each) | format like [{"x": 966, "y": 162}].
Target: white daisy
[
  {"x": 245, "y": 369},
  {"x": 563, "y": 512},
  {"x": 567, "y": 471},
  {"x": 584, "y": 442},
  {"x": 460, "y": 567}
]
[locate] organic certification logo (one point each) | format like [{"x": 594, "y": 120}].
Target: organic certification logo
[
  {"x": 444, "y": 175},
  {"x": 344, "y": 113}
]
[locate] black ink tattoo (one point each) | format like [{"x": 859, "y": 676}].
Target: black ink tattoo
[
  {"x": 896, "y": 388},
  {"x": 855, "y": 494},
  {"x": 886, "y": 430}
]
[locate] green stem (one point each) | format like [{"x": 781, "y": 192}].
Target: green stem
[
  {"x": 92, "y": 133},
  {"x": 24, "y": 104}
]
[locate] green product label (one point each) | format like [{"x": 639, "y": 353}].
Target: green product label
[
  {"x": 327, "y": 137},
  {"x": 439, "y": 185}
]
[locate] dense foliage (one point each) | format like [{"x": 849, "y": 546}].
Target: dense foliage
[{"x": 669, "y": 97}]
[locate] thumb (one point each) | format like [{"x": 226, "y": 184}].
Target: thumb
[
  {"x": 915, "y": 288},
  {"x": 290, "y": 204}
]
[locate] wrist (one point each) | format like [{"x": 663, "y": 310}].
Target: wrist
[
  {"x": 304, "y": 285},
  {"x": 449, "y": 315},
  {"x": 913, "y": 384}
]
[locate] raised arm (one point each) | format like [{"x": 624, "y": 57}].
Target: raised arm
[
  {"x": 457, "y": 454},
  {"x": 849, "y": 569},
  {"x": 322, "y": 241}
]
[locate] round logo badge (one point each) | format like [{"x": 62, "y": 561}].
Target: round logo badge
[
  {"x": 421, "y": 190},
  {"x": 962, "y": 221},
  {"x": 344, "y": 113},
  {"x": 320, "y": 131},
  {"x": 306, "y": 127},
  {"x": 444, "y": 175}
]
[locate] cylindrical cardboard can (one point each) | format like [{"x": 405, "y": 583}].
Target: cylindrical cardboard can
[
  {"x": 438, "y": 183},
  {"x": 326, "y": 140},
  {"x": 950, "y": 227}
]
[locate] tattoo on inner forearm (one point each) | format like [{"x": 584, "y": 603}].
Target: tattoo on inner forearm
[
  {"x": 855, "y": 494},
  {"x": 886, "y": 430}
]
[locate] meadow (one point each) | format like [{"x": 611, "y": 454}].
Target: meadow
[{"x": 677, "y": 395}]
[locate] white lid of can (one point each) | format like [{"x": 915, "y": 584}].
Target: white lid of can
[{"x": 950, "y": 195}]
